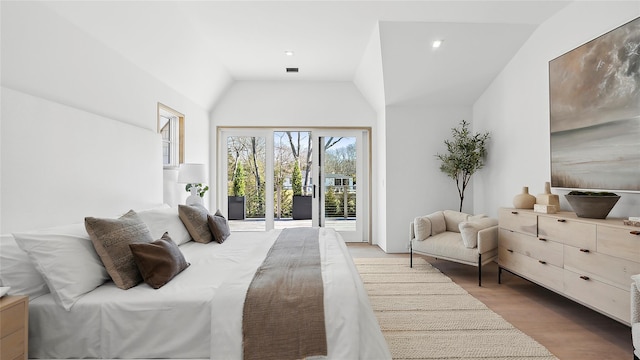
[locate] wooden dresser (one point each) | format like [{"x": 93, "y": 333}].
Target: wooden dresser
[
  {"x": 14, "y": 327},
  {"x": 587, "y": 260}
]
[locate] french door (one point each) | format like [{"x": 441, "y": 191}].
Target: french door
[{"x": 295, "y": 178}]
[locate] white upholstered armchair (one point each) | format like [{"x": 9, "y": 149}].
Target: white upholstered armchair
[
  {"x": 635, "y": 315},
  {"x": 455, "y": 236}
]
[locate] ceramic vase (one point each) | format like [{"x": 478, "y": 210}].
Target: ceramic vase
[
  {"x": 547, "y": 198},
  {"x": 524, "y": 200}
]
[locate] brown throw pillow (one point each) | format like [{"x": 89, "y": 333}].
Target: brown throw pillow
[
  {"x": 158, "y": 261},
  {"x": 219, "y": 227},
  {"x": 194, "y": 218},
  {"x": 111, "y": 239}
]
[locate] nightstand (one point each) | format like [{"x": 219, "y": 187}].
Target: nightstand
[{"x": 14, "y": 327}]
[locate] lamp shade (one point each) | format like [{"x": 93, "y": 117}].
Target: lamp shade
[{"x": 192, "y": 174}]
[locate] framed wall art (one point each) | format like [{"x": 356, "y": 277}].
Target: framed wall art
[{"x": 594, "y": 103}]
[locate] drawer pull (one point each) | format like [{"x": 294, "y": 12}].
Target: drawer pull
[
  {"x": 542, "y": 239},
  {"x": 514, "y": 212},
  {"x": 585, "y": 250},
  {"x": 583, "y": 277},
  {"x": 562, "y": 220},
  {"x": 635, "y": 232},
  {"x": 509, "y": 250},
  {"x": 542, "y": 262}
]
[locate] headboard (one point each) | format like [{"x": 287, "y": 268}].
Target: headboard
[{"x": 60, "y": 164}]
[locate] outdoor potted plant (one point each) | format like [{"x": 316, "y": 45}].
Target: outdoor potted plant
[
  {"x": 301, "y": 203},
  {"x": 236, "y": 202}
]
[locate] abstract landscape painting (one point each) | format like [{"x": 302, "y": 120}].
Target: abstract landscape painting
[{"x": 594, "y": 102}]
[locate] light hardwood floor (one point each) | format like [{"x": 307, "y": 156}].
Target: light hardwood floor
[{"x": 569, "y": 330}]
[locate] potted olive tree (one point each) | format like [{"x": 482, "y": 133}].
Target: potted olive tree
[
  {"x": 465, "y": 155},
  {"x": 236, "y": 202}
]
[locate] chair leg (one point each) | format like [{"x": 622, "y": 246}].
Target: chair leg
[
  {"x": 479, "y": 269},
  {"x": 411, "y": 259}
]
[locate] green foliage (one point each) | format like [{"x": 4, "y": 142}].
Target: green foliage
[
  {"x": 239, "y": 183},
  {"x": 296, "y": 179},
  {"x": 592, "y": 193},
  {"x": 332, "y": 203},
  {"x": 201, "y": 189},
  {"x": 465, "y": 155}
]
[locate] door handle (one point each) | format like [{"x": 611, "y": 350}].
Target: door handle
[{"x": 314, "y": 191}]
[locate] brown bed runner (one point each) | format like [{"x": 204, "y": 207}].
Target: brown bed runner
[{"x": 283, "y": 315}]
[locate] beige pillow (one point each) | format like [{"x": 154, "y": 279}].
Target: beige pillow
[
  {"x": 469, "y": 230},
  {"x": 158, "y": 261},
  {"x": 194, "y": 218},
  {"x": 453, "y": 218},
  {"x": 476, "y": 217},
  {"x": 111, "y": 239},
  {"x": 422, "y": 228},
  {"x": 438, "y": 225},
  {"x": 219, "y": 227}
]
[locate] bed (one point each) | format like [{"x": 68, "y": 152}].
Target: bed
[{"x": 196, "y": 315}]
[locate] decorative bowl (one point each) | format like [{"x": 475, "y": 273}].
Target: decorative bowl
[{"x": 592, "y": 206}]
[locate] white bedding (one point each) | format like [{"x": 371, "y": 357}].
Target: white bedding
[{"x": 198, "y": 313}]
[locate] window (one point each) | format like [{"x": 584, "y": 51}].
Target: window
[{"x": 171, "y": 127}]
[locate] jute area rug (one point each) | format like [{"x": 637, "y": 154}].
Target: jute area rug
[{"x": 425, "y": 315}]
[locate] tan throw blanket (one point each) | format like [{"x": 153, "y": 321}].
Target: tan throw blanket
[{"x": 283, "y": 315}]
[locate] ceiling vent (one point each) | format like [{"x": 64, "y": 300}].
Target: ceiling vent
[{"x": 292, "y": 70}]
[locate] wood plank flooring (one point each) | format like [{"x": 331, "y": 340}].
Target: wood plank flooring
[{"x": 569, "y": 330}]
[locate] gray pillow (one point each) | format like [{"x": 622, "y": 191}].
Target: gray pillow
[
  {"x": 158, "y": 261},
  {"x": 111, "y": 239},
  {"x": 219, "y": 227},
  {"x": 194, "y": 218}
]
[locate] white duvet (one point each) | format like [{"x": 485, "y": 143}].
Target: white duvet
[{"x": 199, "y": 313}]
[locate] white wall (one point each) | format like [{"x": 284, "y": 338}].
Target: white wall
[
  {"x": 46, "y": 57},
  {"x": 415, "y": 185},
  {"x": 515, "y": 107},
  {"x": 369, "y": 79},
  {"x": 292, "y": 104}
]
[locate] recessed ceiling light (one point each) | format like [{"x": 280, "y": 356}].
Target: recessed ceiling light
[
  {"x": 436, "y": 44},
  {"x": 288, "y": 53}
]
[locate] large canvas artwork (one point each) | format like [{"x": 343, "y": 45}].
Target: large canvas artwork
[{"x": 594, "y": 102}]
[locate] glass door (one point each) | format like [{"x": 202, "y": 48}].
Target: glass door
[
  {"x": 292, "y": 178},
  {"x": 274, "y": 179},
  {"x": 340, "y": 197},
  {"x": 246, "y": 180}
]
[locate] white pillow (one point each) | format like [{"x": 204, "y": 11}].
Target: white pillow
[
  {"x": 476, "y": 217},
  {"x": 422, "y": 228},
  {"x": 469, "y": 230},
  {"x": 163, "y": 220},
  {"x": 66, "y": 259},
  {"x": 438, "y": 224},
  {"x": 18, "y": 272},
  {"x": 453, "y": 219}
]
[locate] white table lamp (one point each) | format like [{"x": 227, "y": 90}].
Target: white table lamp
[{"x": 192, "y": 174}]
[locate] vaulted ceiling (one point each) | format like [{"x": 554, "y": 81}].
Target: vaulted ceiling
[{"x": 200, "y": 47}]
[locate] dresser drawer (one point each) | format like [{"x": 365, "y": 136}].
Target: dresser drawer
[
  {"x": 518, "y": 221},
  {"x": 533, "y": 247},
  {"x": 603, "y": 297},
  {"x": 532, "y": 269},
  {"x": 619, "y": 242},
  {"x": 12, "y": 346},
  {"x": 12, "y": 319},
  {"x": 602, "y": 267},
  {"x": 568, "y": 231}
]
